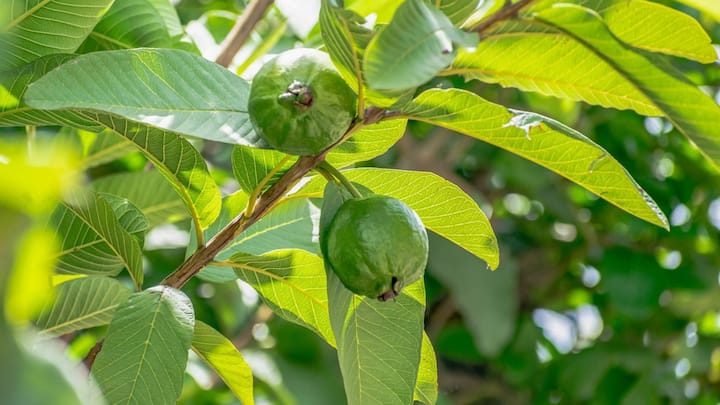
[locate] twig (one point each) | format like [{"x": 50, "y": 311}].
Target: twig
[
  {"x": 267, "y": 200},
  {"x": 241, "y": 31},
  {"x": 92, "y": 354},
  {"x": 504, "y": 13}
]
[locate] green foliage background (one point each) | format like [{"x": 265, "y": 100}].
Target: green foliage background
[{"x": 589, "y": 303}]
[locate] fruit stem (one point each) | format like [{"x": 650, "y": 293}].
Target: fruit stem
[{"x": 338, "y": 175}]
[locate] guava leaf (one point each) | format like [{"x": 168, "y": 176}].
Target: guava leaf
[
  {"x": 14, "y": 84},
  {"x": 220, "y": 354},
  {"x": 33, "y": 27},
  {"x": 81, "y": 304},
  {"x": 145, "y": 351},
  {"x": 251, "y": 165},
  {"x": 104, "y": 147},
  {"x": 370, "y": 142},
  {"x": 290, "y": 225},
  {"x": 426, "y": 386},
  {"x": 292, "y": 282},
  {"x": 378, "y": 343},
  {"x": 134, "y": 24},
  {"x": 658, "y": 30},
  {"x": 341, "y": 29},
  {"x": 95, "y": 240},
  {"x": 442, "y": 206},
  {"x": 149, "y": 191},
  {"x": 711, "y": 7},
  {"x": 419, "y": 42},
  {"x": 567, "y": 51},
  {"x": 540, "y": 140},
  {"x": 161, "y": 88},
  {"x": 457, "y": 10},
  {"x": 177, "y": 160}
]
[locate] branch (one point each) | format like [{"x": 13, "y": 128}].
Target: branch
[
  {"x": 241, "y": 31},
  {"x": 505, "y": 13},
  {"x": 265, "y": 203}
]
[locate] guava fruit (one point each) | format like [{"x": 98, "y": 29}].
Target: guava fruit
[
  {"x": 376, "y": 245},
  {"x": 299, "y": 104}
]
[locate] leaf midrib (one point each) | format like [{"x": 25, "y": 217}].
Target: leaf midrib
[
  {"x": 27, "y": 14},
  {"x": 146, "y": 345}
]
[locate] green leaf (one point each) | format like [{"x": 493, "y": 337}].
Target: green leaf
[
  {"x": 711, "y": 7},
  {"x": 418, "y": 43},
  {"x": 129, "y": 216},
  {"x": 81, "y": 304},
  {"x": 383, "y": 9},
  {"x": 691, "y": 111},
  {"x": 145, "y": 351},
  {"x": 341, "y": 30},
  {"x": 660, "y": 29},
  {"x": 426, "y": 386},
  {"x": 14, "y": 84},
  {"x": 178, "y": 161},
  {"x": 486, "y": 300},
  {"x": 378, "y": 343},
  {"x": 442, "y": 206},
  {"x": 104, "y": 147},
  {"x": 292, "y": 282},
  {"x": 290, "y": 225},
  {"x": 251, "y": 165},
  {"x": 457, "y": 10},
  {"x": 94, "y": 240},
  {"x": 168, "y": 89},
  {"x": 220, "y": 354},
  {"x": 541, "y": 140},
  {"x": 35, "y": 26},
  {"x": 131, "y": 24},
  {"x": 149, "y": 191},
  {"x": 370, "y": 142},
  {"x": 539, "y": 58}
]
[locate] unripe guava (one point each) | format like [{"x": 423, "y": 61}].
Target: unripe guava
[
  {"x": 299, "y": 104},
  {"x": 376, "y": 245}
]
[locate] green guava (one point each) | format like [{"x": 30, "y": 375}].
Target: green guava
[
  {"x": 299, "y": 104},
  {"x": 376, "y": 245}
]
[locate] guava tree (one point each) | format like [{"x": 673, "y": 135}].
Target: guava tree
[{"x": 262, "y": 176}]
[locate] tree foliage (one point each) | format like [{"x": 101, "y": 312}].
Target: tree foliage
[{"x": 571, "y": 146}]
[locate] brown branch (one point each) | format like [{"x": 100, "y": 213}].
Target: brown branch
[
  {"x": 505, "y": 13},
  {"x": 267, "y": 200},
  {"x": 90, "y": 358},
  {"x": 241, "y": 31}
]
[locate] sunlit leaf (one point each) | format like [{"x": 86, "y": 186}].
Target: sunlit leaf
[
  {"x": 168, "y": 89},
  {"x": 220, "y": 354},
  {"x": 457, "y": 10},
  {"x": 178, "y": 161},
  {"x": 418, "y": 43},
  {"x": 659, "y": 28},
  {"x": 133, "y": 24},
  {"x": 442, "y": 206},
  {"x": 145, "y": 351},
  {"x": 149, "y": 191},
  {"x": 292, "y": 282},
  {"x": 370, "y": 142},
  {"x": 251, "y": 165},
  {"x": 94, "y": 240},
  {"x": 541, "y": 140},
  {"x": 378, "y": 343},
  {"x": 34, "y": 25},
  {"x": 80, "y": 304},
  {"x": 14, "y": 84},
  {"x": 426, "y": 386}
]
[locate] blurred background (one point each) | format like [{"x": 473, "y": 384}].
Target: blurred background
[{"x": 589, "y": 305}]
